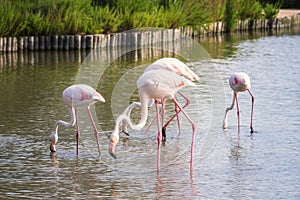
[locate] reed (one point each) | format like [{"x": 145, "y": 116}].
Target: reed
[
  {"x": 69, "y": 17},
  {"x": 271, "y": 10},
  {"x": 249, "y": 9}
]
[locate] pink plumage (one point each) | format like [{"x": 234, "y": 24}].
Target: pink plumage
[{"x": 174, "y": 65}]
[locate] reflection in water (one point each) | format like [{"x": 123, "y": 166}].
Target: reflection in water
[
  {"x": 40, "y": 58},
  {"x": 55, "y": 166}
]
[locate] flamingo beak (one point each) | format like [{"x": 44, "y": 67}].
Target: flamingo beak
[
  {"x": 112, "y": 148},
  {"x": 52, "y": 147},
  {"x": 53, "y": 141},
  {"x": 125, "y": 131},
  {"x": 112, "y": 152}
]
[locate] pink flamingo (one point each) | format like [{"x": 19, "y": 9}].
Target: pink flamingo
[
  {"x": 172, "y": 65},
  {"x": 154, "y": 84},
  {"x": 76, "y": 96},
  {"x": 239, "y": 82}
]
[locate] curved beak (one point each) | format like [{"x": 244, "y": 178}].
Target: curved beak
[
  {"x": 112, "y": 150},
  {"x": 53, "y": 141},
  {"x": 52, "y": 147}
]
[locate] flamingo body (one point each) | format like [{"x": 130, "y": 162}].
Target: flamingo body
[
  {"x": 81, "y": 95},
  {"x": 239, "y": 82},
  {"x": 161, "y": 84},
  {"x": 174, "y": 65},
  {"x": 75, "y": 96}
]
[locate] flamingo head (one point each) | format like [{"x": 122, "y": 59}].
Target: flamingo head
[
  {"x": 53, "y": 141},
  {"x": 114, "y": 139}
]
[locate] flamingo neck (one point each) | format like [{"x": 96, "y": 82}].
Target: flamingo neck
[
  {"x": 125, "y": 116},
  {"x": 229, "y": 108},
  {"x": 65, "y": 124},
  {"x": 128, "y": 110}
]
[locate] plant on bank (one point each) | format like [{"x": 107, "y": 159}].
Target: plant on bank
[
  {"x": 249, "y": 9},
  {"x": 55, "y": 17},
  {"x": 271, "y": 11},
  {"x": 231, "y": 15}
]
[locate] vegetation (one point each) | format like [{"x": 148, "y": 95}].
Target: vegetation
[
  {"x": 272, "y": 10},
  {"x": 55, "y": 17}
]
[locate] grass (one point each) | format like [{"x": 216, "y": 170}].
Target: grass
[{"x": 57, "y": 17}]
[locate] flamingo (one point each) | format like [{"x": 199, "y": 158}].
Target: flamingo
[
  {"x": 76, "y": 96},
  {"x": 239, "y": 82},
  {"x": 172, "y": 65},
  {"x": 154, "y": 84}
]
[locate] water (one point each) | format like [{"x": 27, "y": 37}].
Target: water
[{"x": 264, "y": 165}]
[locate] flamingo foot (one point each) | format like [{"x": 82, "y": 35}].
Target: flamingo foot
[{"x": 251, "y": 130}]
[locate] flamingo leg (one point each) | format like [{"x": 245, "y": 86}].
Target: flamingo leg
[
  {"x": 177, "y": 112},
  {"x": 95, "y": 129},
  {"x": 151, "y": 123},
  {"x": 159, "y": 136},
  {"x": 252, "y": 107},
  {"x": 194, "y": 132},
  {"x": 238, "y": 111},
  {"x": 77, "y": 132},
  {"x": 163, "y": 105},
  {"x": 148, "y": 128},
  {"x": 183, "y": 107}
]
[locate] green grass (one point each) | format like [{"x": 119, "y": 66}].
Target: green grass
[{"x": 57, "y": 17}]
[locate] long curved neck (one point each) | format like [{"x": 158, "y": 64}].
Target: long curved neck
[
  {"x": 66, "y": 124},
  {"x": 125, "y": 115},
  {"x": 229, "y": 108},
  {"x": 128, "y": 110}
]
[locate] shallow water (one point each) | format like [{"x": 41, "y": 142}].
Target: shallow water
[{"x": 226, "y": 165}]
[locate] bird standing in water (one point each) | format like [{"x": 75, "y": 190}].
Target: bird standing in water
[
  {"x": 76, "y": 96},
  {"x": 172, "y": 65},
  {"x": 239, "y": 82},
  {"x": 154, "y": 84}
]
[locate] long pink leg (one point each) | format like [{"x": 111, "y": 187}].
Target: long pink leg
[
  {"x": 252, "y": 107},
  {"x": 238, "y": 111},
  {"x": 77, "y": 132},
  {"x": 148, "y": 128},
  {"x": 155, "y": 118},
  {"x": 159, "y": 136},
  {"x": 193, "y": 135},
  {"x": 177, "y": 112},
  {"x": 95, "y": 130},
  {"x": 163, "y": 105}
]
